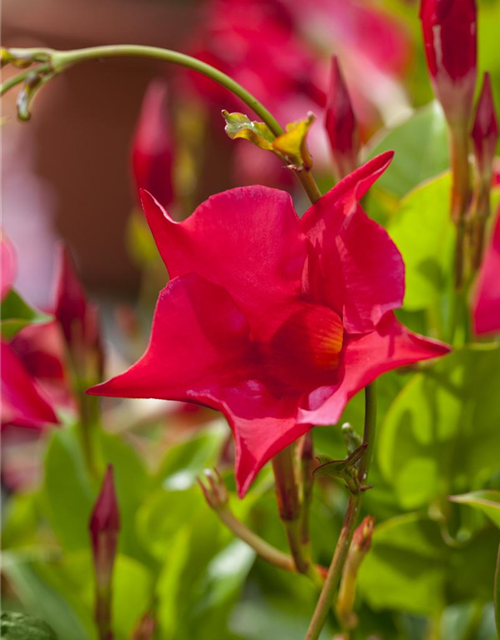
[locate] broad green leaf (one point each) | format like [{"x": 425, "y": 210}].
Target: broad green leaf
[
  {"x": 440, "y": 435},
  {"x": 41, "y": 599},
  {"x": 421, "y": 146},
  {"x": 404, "y": 569},
  {"x": 67, "y": 493},
  {"x": 293, "y": 143},
  {"x": 185, "y": 461},
  {"x": 17, "y": 314},
  {"x": 19, "y": 626},
  {"x": 486, "y": 501},
  {"x": 238, "y": 125},
  {"x": 423, "y": 232}
]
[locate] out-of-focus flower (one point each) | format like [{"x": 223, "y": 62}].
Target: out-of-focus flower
[
  {"x": 152, "y": 147},
  {"x": 485, "y": 130},
  {"x": 274, "y": 320},
  {"x": 486, "y": 303},
  {"x": 8, "y": 265},
  {"x": 23, "y": 403},
  {"x": 78, "y": 320},
  {"x": 450, "y": 38},
  {"x": 341, "y": 124}
]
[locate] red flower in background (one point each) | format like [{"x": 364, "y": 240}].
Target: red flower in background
[
  {"x": 450, "y": 38},
  {"x": 486, "y": 304},
  {"x": 152, "y": 147},
  {"x": 274, "y": 320},
  {"x": 8, "y": 265}
]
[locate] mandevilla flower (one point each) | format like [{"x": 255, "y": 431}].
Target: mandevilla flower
[
  {"x": 485, "y": 130},
  {"x": 152, "y": 148},
  {"x": 340, "y": 124},
  {"x": 486, "y": 304},
  {"x": 450, "y": 37},
  {"x": 274, "y": 320}
]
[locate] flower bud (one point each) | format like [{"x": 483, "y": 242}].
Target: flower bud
[
  {"x": 152, "y": 149},
  {"x": 104, "y": 527},
  {"x": 450, "y": 39},
  {"x": 215, "y": 491},
  {"x": 341, "y": 124},
  {"x": 485, "y": 130},
  {"x": 78, "y": 320}
]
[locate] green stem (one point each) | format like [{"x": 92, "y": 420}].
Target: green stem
[
  {"x": 460, "y": 194},
  {"x": 335, "y": 571},
  {"x": 62, "y": 60},
  {"x": 21, "y": 77}
]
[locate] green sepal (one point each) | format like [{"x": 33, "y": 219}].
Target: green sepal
[{"x": 238, "y": 125}]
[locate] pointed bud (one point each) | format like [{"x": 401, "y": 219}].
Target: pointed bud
[
  {"x": 78, "y": 320},
  {"x": 485, "y": 129},
  {"x": 450, "y": 38},
  {"x": 152, "y": 148},
  {"x": 486, "y": 302},
  {"x": 104, "y": 527},
  {"x": 341, "y": 124}
]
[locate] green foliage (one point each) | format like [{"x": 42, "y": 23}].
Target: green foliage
[
  {"x": 487, "y": 501},
  {"x": 17, "y": 314},
  {"x": 421, "y": 150},
  {"x": 18, "y": 626}
]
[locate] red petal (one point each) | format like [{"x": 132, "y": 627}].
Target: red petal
[
  {"x": 486, "y": 306},
  {"x": 367, "y": 357},
  {"x": 248, "y": 240},
  {"x": 359, "y": 271},
  {"x": 198, "y": 341},
  {"x": 22, "y": 402},
  {"x": 8, "y": 264}
]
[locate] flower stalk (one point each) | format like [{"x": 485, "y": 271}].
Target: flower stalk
[{"x": 353, "y": 508}]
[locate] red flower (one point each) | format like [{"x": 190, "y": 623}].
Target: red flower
[
  {"x": 341, "y": 125},
  {"x": 485, "y": 129},
  {"x": 486, "y": 305},
  {"x": 274, "y": 320},
  {"x": 450, "y": 38},
  {"x": 23, "y": 403},
  {"x": 152, "y": 148}
]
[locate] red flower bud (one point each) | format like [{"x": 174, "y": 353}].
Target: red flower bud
[
  {"x": 450, "y": 38},
  {"x": 104, "y": 527},
  {"x": 152, "y": 149},
  {"x": 341, "y": 124},
  {"x": 78, "y": 319},
  {"x": 485, "y": 129}
]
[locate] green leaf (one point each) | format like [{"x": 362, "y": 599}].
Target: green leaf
[
  {"x": 404, "y": 569},
  {"x": 67, "y": 494},
  {"x": 238, "y": 125},
  {"x": 423, "y": 232},
  {"x": 486, "y": 501},
  {"x": 421, "y": 146},
  {"x": 440, "y": 435},
  {"x": 18, "y": 626},
  {"x": 41, "y": 599},
  {"x": 185, "y": 461},
  {"x": 17, "y": 314}
]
